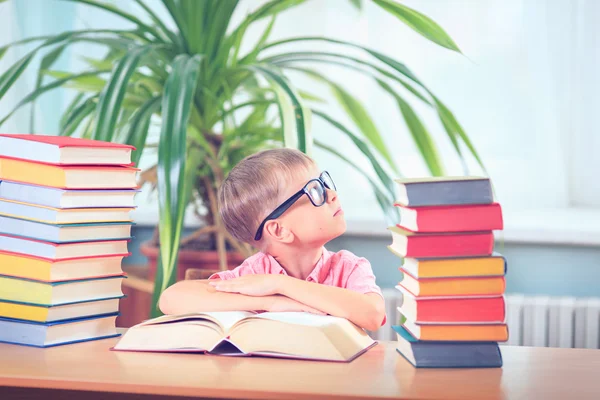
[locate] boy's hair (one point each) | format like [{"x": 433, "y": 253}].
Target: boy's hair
[{"x": 253, "y": 189}]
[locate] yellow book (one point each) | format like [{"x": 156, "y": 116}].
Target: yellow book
[
  {"x": 39, "y": 313},
  {"x": 59, "y": 293},
  {"x": 68, "y": 177},
  {"x": 494, "y": 265},
  {"x": 41, "y": 269},
  {"x": 481, "y": 286}
]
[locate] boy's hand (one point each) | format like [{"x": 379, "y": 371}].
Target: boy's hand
[
  {"x": 280, "y": 303},
  {"x": 250, "y": 285}
]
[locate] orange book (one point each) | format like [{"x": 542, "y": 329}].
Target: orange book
[
  {"x": 68, "y": 177},
  {"x": 494, "y": 265},
  {"x": 48, "y": 270},
  {"x": 453, "y": 286},
  {"x": 458, "y": 332}
]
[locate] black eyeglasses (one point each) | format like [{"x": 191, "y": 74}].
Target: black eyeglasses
[{"x": 314, "y": 189}]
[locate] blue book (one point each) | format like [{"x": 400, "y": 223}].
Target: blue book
[
  {"x": 444, "y": 190},
  {"x": 64, "y": 198},
  {"x": 49, "y": 215},
  {"x": 70, "y": 233},
  {"x": 437, "y": 354},
  {"x": 51, "y": 334}
]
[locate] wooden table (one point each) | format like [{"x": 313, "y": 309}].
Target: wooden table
[{"x": 528, "y": 373}]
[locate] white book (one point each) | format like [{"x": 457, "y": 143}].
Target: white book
[
  {"x": 51, "y": 215},
  {"x": 64, "y": 198},
  {"x": 61, "y": 251}
]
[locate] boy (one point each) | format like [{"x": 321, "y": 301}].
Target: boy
[{"x": 279, "y": 202}]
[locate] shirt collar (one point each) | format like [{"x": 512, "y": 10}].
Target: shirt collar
[{"x": 318, "y": 274}]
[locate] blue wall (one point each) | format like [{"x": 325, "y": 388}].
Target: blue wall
[{"x": 532, "y": 269}]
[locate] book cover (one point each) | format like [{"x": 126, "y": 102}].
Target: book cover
[
  {"x": 62, "y": 251},
  {"x": 456, "y": 218},
  {"x": 447, "y": 267},
  {"x": 234, "y": 333},
  {"x": 457, "y": 332},
  {"x": 436, "y": 354},
  {"x": 68, "y": 177},
  {"x": 452, "y": 309},
  {"x": 65, "y": 199},
  {"x": 50, "y": 215},
  {"x": 444, "y": 190},
  {"x": 49, "y": 334},
  {"x": 58, "y": 293},
  {"x": 462, "y": 286},
  {"x": 65, "y": 233},
  {"x": 48, "y": 270},
  {"x": 64, "y": 150},
  {"x": 44, "y": 313},
  {"x": 435, "y": 245}
]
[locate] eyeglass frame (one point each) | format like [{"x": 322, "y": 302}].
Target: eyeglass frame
[{"x": 283, "y": 207}]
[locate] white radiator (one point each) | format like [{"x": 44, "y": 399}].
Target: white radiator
[{"x": 541, "y": 321}]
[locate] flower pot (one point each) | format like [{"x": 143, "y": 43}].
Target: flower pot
[{"x": 198, "y": 259}]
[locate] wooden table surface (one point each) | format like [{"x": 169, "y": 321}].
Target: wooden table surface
[{"x": 528, "y": 373}]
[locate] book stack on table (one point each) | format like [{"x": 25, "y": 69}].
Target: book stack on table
[
  {"x": 453, "y": 309},
  {"x": 65, "y": 225}
]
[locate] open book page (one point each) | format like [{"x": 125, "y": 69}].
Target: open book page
[
  {"x": 300, "y": 335},
  {"x": 186, "y": 332},
  {"x": 224, "y": 319}
]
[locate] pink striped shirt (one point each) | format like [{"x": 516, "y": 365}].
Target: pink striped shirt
[{"x": 342, "y": 269}]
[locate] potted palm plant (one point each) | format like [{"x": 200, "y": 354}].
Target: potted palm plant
[{"x": 184, "y": 67}]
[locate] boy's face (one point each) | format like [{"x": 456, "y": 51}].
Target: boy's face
[{"x": 312, "y": 225}]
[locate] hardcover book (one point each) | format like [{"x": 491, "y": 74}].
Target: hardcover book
[{"x": 273, "y": 334}]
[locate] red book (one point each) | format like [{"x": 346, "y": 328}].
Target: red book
[
  {"x": 460, "y": 218},
  {"x": 437, "y": 245},
  {"x": 452, "y": 309},
  {"x": 64, "y": 150}
]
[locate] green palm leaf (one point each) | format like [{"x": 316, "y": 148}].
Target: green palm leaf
[
  {"x": 114, "y": 92},
  {"x": 117, "y": 11},
  {"x": 384, "y": 200},
  {"x": 388, "y": 183},
  {"x": 172, "y": 190},
  {"x": 77, "y": 115},
  {"x": 419, "y": 133},
  {"x": 139, "y": 126},
  {"x": 43, "y": 89},
  {"x": 298, "y": 109},
  {"x": 46, "y": 63},
  {"x": 420, "y": 23}
]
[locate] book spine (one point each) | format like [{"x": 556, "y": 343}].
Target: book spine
[
  {"x": 479, "y": 244},
  {"x": 449, "y": 193},
  {"x": 459, "y": 219}
]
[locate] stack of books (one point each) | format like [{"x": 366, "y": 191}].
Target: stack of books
[
  {"x": 65, "y": 225},
  {"x": 453, "y": 311}
]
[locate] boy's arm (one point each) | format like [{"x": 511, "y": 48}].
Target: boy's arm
[
  {"x": 365, "y": 310},
  {"x": 197, "y": 295}
]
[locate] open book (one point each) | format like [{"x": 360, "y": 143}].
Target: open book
[{"x": 273, "y": 334}]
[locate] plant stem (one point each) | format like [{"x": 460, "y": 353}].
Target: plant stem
[{"x": 212, "y": 198}]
